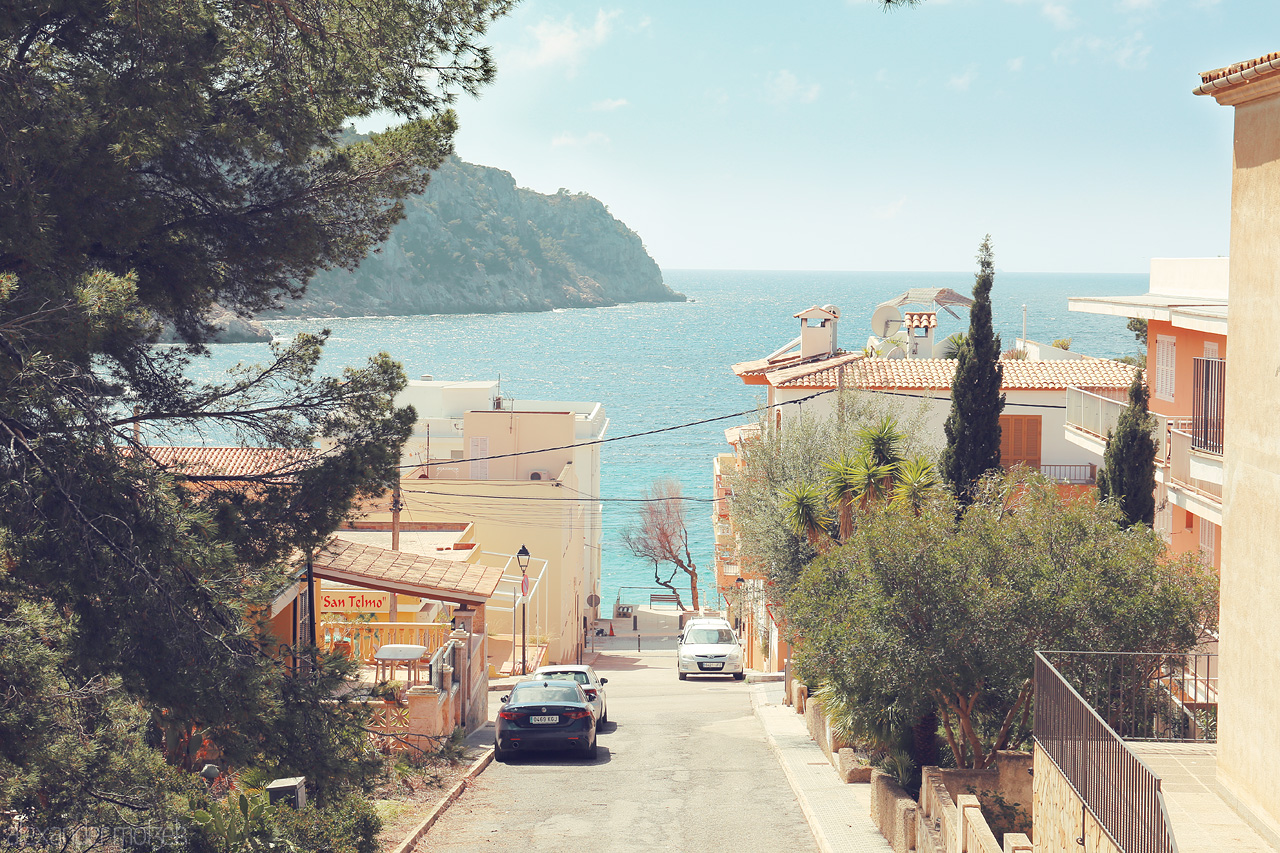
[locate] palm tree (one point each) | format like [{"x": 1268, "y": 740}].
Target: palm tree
[
  {"x": 882, "y": 441},
  {"x": 916, "y": 482},
  {"x": 844, "y": 484},
  {"x": 807, "y": 514}
]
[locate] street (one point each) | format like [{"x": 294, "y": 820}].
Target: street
[{"x": 683, "y": 765}]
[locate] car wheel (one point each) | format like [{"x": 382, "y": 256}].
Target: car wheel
[
  {"x": 500, "y": 754},
  {"x": 738, "y": 676},
  {"x": 683, "y": 676},
  {"x": 594, "y": 750},
  {"x": 604, "y": 718}
]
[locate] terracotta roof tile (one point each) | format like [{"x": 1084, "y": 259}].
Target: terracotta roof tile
[
  {"x": 413, "y": 574},
  {"x": 936, "y": 374},
  {"x": 230, "y": 461},
  {"x": 1220, "y": 73},
  {"x": 920, "y": 319}
]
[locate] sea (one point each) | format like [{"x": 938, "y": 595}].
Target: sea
[{"x": 657, "y": 365}]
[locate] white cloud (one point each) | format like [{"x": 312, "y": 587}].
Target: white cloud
[
  {"x": 1059, "y": 14},
  {"x": 1015, "y": 64},
  {"x": 784, "y": 87},
  {"x": 569, "y": 140},
  {"x": 1129, "y": 53},
  {"x": 890, "y": 211},
  {"x": 609, "y": 104},
  {"x": 564, "y": 42},
  {"x": 962, "y": 82}
]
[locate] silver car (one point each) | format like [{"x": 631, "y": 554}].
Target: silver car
[
  {"x": 592, "y": 684},
  {"x": 709, "y": 647}
]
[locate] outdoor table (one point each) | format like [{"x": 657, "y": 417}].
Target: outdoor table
[{"x": 389, "y": 657}]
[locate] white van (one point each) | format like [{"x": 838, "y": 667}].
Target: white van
[{"x": 708, "y": 646}]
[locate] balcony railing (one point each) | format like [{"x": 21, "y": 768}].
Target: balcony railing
[
  {"x": 1207, "y": 403},
  {"x": 1081, "y": 474},
  {"x": 1097, "y": 414},
  {"x": 1116, "y": 786},
  {"x": 363, "y": 639},
  {"x": 1181, "y": 445}
]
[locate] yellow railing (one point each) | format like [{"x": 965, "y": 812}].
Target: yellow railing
[{"x": 363, "y": 639}]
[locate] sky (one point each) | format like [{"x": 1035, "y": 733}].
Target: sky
[{"x": 838, "y": 136}]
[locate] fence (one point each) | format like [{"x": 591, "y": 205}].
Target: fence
[
  {"x": 1097, "y": 414},
  {"x": 1114, "y": 784},
  {"x": 1207, "y": 403},
  {"x": 1070, "y": 473},
  {"x": 363, "y": 639}
]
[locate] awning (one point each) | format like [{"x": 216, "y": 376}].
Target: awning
[{"x": 406, "y": 573}]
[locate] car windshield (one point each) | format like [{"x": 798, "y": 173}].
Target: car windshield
[
  {"x": 709, "y": 636},
  {"x": 544, "y": 693},
  {"x": 573, "y": 675}
]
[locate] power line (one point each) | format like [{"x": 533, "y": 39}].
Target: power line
[
  {"x": 574, "y": 500},
  {"x": 623, "y": 437}
]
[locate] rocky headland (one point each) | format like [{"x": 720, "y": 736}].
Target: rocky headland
[{"x": 474, "y": 242}]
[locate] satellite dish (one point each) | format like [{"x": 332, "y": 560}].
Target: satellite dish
[
  {"x": 833, "y": 310},
  {"x": 886, "y": 320},
  {"x": 896, "y": 352}
]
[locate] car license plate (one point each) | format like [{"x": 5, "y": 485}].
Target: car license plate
[
  {"x": 713, "y": 666},
  {"x": 543, "y": 721}
]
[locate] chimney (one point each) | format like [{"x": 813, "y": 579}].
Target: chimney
[{"x": 818, "y": 331}]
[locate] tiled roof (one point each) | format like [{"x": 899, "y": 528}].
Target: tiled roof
[
  {"x": 402, "y": 571},
  {"x": 761, "y": 366},
  {"x": 1220, "y": 73},
  {"x": 230, "y": 461},
  {"x": 920, "y": 319},
  {"x": 936, "y": 374}
]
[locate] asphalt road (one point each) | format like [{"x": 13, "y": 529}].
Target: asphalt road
[{"x": 683, "y": 766}]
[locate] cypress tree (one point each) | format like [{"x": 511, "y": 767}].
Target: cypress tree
[
  {"x": 973, "y": 427},
  {"x": 1128, "y": 473}
]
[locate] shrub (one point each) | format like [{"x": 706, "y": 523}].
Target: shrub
[{"x": 348, "y": 824}]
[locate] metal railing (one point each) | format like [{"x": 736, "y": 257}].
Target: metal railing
[
  {"x": 1181, "y": 444},
  {"x": 1097, "y": 414},
  {"x": 1070, "y": 473},
  {"x": 1147, "y": 696},
  {"x": 1207, "y": 403},
  {"x": 1115, "y": 785}
]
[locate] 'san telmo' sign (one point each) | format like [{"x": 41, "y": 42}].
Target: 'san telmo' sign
[{"x": 348, "y": 600}]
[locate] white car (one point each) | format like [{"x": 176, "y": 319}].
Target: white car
[
  {"x": 709, "y": 647},
  {"x": 592, "y": 684}
]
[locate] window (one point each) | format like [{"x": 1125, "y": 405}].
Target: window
[
  {"x": 1020, "y": 440},
  {"x": 1166, "y": 367},
  {"x": 1210, "y": 349},
  {"x": 1208, "y": 540},
  {"x": 480, "y": 453}
]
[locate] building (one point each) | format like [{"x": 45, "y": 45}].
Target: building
[
  {"x": 1186, "y": 313},
  {"x": 1249, "y": 687},
  {"x": 1095, "y": 780},
  {"x": 907, "y": 366},
  {"x": 917, "y": 387},
  {"x": 517, "y": 473}
]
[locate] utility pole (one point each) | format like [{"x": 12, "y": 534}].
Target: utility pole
[{"x": 393, "y": 613}]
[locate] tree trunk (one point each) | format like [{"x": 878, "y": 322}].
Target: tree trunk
[{"x": 925, "y": 736}]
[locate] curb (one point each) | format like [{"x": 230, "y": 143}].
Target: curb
[
  {"x": 819, "y": 836},
  {"x": 415, "y": 835}
]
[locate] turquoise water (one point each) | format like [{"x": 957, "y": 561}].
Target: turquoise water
[{"x": 656, "y": 365}]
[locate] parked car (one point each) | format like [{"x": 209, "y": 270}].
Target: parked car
[
  {"x": 547, "y": 714},
  {"x": 709, "y": 646},
  {"x": 592, "y": 684}
]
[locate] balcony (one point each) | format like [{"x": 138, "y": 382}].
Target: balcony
[{"x": 1092, "y": 415}]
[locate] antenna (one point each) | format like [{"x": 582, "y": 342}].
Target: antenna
[{"x": 886, "y": 320}]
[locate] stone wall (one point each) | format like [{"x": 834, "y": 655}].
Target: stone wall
[
  {"x": 1059, "y": 814},
  {"x": 893, "y": 812}
]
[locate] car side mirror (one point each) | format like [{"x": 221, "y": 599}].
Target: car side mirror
[
  {"x": 505, "y": 699},
  {"x": 604, "y": 681}
]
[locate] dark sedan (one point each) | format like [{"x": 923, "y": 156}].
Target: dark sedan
[{"x": 550, "y": 714}]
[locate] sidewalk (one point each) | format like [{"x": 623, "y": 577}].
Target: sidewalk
[{"x": 839, "y": 814}]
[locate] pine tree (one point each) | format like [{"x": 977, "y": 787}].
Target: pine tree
[
  {"x": 973, "y": 427},
  {"x": 1128, "y": 473}
]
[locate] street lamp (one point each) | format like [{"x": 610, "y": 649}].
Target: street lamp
[{"x": 522, "y": 559}]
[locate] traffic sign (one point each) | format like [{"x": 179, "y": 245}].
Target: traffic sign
[
  {"x": 593, "y": 600},
  {"x": 524, "y": 586}
]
